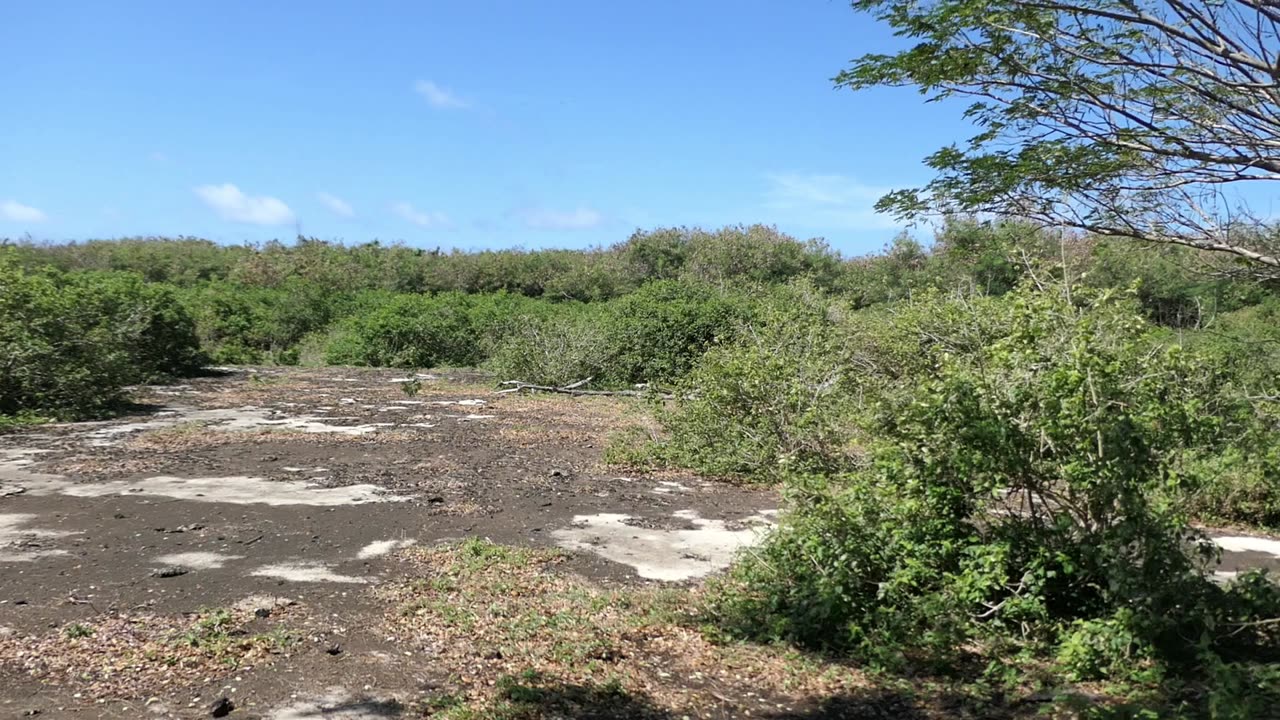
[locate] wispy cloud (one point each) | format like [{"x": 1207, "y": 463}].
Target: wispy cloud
[
  {"x": 426, "y": 219},
  {"x": 836, "y": 201},
  {"x": 439, "y": 97},
  {"x": 17, "y": 212},
  {"x": 232, "y": 204},
  {"x": 579, "y": 219},
  {"x": 336, "y": 205}
]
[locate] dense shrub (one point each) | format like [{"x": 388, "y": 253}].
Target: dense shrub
[
  {"x": 775, "y": 400},
  {"x": 1015, "y": 491},
  {"x": 1015, "y": 494},
  {"x": 70, "y": 344},
  {"x": 793, "y": 391},
  {"x": 566, "y": 347},
  {"x": 1177, "y": 287},
  {"x": 653, "y": 335},
  {"x": 156, "y": 330},
  {"x": 429, "y": 330},
  {"x": 658, "y": 332}
]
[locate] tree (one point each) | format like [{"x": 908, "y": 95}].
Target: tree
[{"x": 1141, "y": 119}]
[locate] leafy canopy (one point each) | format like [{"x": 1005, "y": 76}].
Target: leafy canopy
[{"x": 1129, "y": 118}]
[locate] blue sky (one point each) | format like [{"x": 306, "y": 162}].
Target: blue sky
[{"x": 471, "y": 124}]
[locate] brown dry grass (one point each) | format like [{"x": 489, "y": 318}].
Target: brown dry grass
[
  {"x": 134, "y": 656},
  {"x": 491, "y": 613}
]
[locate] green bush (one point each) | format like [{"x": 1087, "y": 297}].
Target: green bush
[
  {"x": 69, "y": 344},
  {"x": 776, "y": 400},
  {"x": 658, "y": 332},
  {"x": 419, "y": 331},
  {"x": 653, "y": 335},
  {"x": 557, "y": 350},
  {"x": 156, "y": 329},
  {"x": 1238, "y": 484},
  {"x": 1013, "y": 494},
  {"x": 793, "y": 392}
]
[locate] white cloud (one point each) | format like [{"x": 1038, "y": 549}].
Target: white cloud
[
  {"x": 836, "y": 201},
  {"x": 418, "y": 217},
  {"x": 336, "y": 205},
  {"x": 438, "y": 96},
  {"x": 232, "y": 204},
  {"x": 17, "y": 212},
  {"x": 580, "y": 219}
]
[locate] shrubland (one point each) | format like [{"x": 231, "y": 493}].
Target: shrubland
[
  {"x": 71, "y": 342},
  {"x": 996, "y": 448}
]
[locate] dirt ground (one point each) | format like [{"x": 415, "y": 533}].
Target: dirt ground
[{"x": 275, "y": 543}]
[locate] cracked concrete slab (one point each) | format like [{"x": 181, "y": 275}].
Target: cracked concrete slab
[{"x": 670, "y": 555}]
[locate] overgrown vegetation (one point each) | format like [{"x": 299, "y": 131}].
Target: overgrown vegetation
[
  {"x": 71, "y": 342},
  {"x": 995, "y": 447},
  {"x": 1020, "y": 492}
]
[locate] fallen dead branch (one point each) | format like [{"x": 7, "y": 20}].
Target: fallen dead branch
[{"x": 574, "y": 388}]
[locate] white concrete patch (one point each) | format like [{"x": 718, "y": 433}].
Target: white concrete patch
[
  {"x": 336, "y": 704},
  {"x": 14, "y": 532},
  {"x": 229, "y": 420},
  {"x": 1244, "y": 543},
  {"x": 236, "y": 490},
  {"x": 463, "y": 403},
  {"x": 474, "y": 417},
  {"x": 19, "y": 457},
  {"x": 669, "y": 555},
  {"x": 198, "y": 560},
  {"x": 305, "y": 571},
  {"x": 666, "y": 487},
  {"x": 382, "y": 547},
  {"x": 419, "y": 376}
]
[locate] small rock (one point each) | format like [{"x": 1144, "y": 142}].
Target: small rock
[
  {"x": 221, "y": 707},
  {"x": 186, "y": 528},
  {"x": 557, "y": 472},
  {"x": 11, "y": 490},
  {"x": 270, "y": 603},
  {"x": 171, "y": 571},
  {"x": 493, "y": 655},
  {"x": 435, "y": 500},
  {"x": 261, "y": 612},
  {"x": 334, "y": 650}
]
